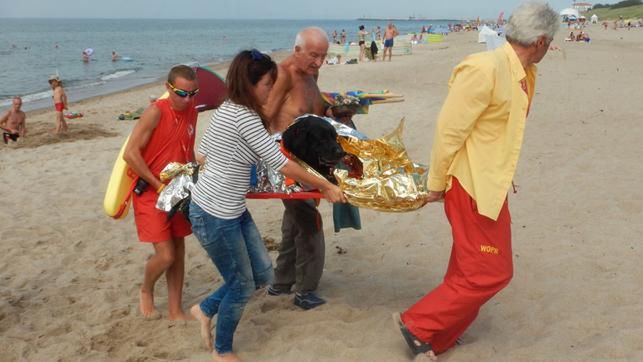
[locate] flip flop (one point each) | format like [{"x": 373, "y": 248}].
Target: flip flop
[{"x": 416, "y": 345}]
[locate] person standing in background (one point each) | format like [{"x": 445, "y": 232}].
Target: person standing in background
[
  {"x": 60, "y": 103},
  {"x": 361, "y": 37},
  {"x": 389, "y": 35}
]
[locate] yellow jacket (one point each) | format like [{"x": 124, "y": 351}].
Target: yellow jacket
[{"x": 480, "y": 128}]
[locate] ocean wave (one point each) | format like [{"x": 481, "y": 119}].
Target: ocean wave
[
  {"x": 87, "y": 85},
  {"x": 117, "y": 74},
  {"x": 27, "y": 98}
]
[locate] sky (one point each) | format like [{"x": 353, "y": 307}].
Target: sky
[{"x": 261, "y": 9}]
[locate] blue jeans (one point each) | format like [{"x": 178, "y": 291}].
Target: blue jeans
[{"x": 237, "y": 250}]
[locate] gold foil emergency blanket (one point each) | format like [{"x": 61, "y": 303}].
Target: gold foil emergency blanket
[
  {"x": 180, "y": 186},
  {"x": 391, "y": 181}
]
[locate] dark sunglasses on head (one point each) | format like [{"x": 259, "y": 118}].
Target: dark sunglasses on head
[
  {"x": 256, "y": 55},
  {"x": 183, "y": 93}
]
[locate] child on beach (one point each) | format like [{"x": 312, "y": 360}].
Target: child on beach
[
  {"x": 235, "y": 140},
  {"x": 60, "y": 103},
  {"x": 164, "y": 133}
]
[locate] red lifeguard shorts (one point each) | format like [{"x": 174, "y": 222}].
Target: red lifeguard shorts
[{"x": 152, "y": 224}]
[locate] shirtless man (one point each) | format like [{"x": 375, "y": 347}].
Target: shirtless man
[
  {"x": 295, "y": 92},
  {"x": 389, "y": 34},
  {"x": 12, "y": 122},
  {"x": 60, "y": 103},
  {"x": 301, "y": 255}
]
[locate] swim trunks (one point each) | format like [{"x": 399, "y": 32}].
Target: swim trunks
[
  {"x": 152, "y": 224},
  {"x": 361, "y": 42},
  {"x": 388, "y": 43},
  {"x": 8, "y": 135},
  {"x": 60, "y": 106},
  {"x": 171, "y": 141}
]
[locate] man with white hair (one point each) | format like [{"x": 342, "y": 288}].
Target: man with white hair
[
  {"x": 301, "y": 254},
  {"x": 295, "y": 91},
  {"x": 477, "y": 142},
  {"x": 12, "y": 123}
]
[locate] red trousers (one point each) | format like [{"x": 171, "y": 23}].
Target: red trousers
[{"x": 479, "y": 267}]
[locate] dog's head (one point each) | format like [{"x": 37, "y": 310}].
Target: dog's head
[{"x": 314, "y": 141}]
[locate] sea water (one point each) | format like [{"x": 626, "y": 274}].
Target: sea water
[{"x": 33, "y": 49}]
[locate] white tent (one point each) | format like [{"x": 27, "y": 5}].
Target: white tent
[
  {"x": 594, "y": 19},
  {"x": 482, "y": 34},
  {"x": 569, "y": 12}
]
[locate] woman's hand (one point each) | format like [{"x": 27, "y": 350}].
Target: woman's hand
[{"x": 333, "y": 193}]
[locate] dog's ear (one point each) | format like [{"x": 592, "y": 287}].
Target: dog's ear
[{"x": 294, "y": 138}]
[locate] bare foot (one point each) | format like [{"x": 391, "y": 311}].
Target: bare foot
[
  {"x": 206, "y": 325},
  {"x": 225, "y": 357},
  {"x": 423, "y": 357},
  {"x": 181, "y": 316},
  {"x": 146, "y": 306}
]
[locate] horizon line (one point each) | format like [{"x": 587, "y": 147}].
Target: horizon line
[{"x": 144, "y": 18}]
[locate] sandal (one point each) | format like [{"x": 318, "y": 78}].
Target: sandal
[{"x": 416, "y": 345}]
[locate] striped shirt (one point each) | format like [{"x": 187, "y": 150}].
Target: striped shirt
[{"x": 233, "y": 142}]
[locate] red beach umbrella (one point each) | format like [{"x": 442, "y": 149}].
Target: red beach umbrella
[{"x": 212, "y": 89}]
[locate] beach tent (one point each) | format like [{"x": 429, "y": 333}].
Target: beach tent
[
  {"x": 569, "y": 13},
  {"x": 594, "y": 19},
  {"x": 484, "y": 32}
]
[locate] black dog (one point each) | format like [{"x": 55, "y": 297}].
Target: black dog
[{"x": 314, "y": 141}]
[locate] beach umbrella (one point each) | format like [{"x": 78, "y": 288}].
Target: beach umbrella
[{"x": 212, "y": 89}]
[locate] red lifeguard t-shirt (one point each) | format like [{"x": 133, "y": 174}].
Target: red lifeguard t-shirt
[{"x": 173, "y": 138}]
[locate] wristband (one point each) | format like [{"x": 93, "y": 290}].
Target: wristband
[{"x": 158, "y": 191}]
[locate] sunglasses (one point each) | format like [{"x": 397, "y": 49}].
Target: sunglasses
[
  {"x": 183, "y": 93},
  {"x": 256, "y": 55}
]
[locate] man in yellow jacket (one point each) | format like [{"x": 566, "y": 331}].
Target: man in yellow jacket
[{"x": 476, "y": 147}]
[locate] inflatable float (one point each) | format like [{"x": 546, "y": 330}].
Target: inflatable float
[{"x": 119, "y": 188}]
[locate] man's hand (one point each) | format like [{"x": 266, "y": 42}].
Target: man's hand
[
  {"x": 344, "y": 116},
  {"x": 434, "y": 196}
]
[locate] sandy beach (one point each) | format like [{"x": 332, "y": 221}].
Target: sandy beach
[{"x": 70, "y": 275}]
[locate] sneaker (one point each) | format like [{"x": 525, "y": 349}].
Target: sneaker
[
  {"x": 275, "y": 292},
  {"x": 308, "y": 300}
]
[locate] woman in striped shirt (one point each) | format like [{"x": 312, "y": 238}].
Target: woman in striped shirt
[{"x": 235, "y": 140}]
